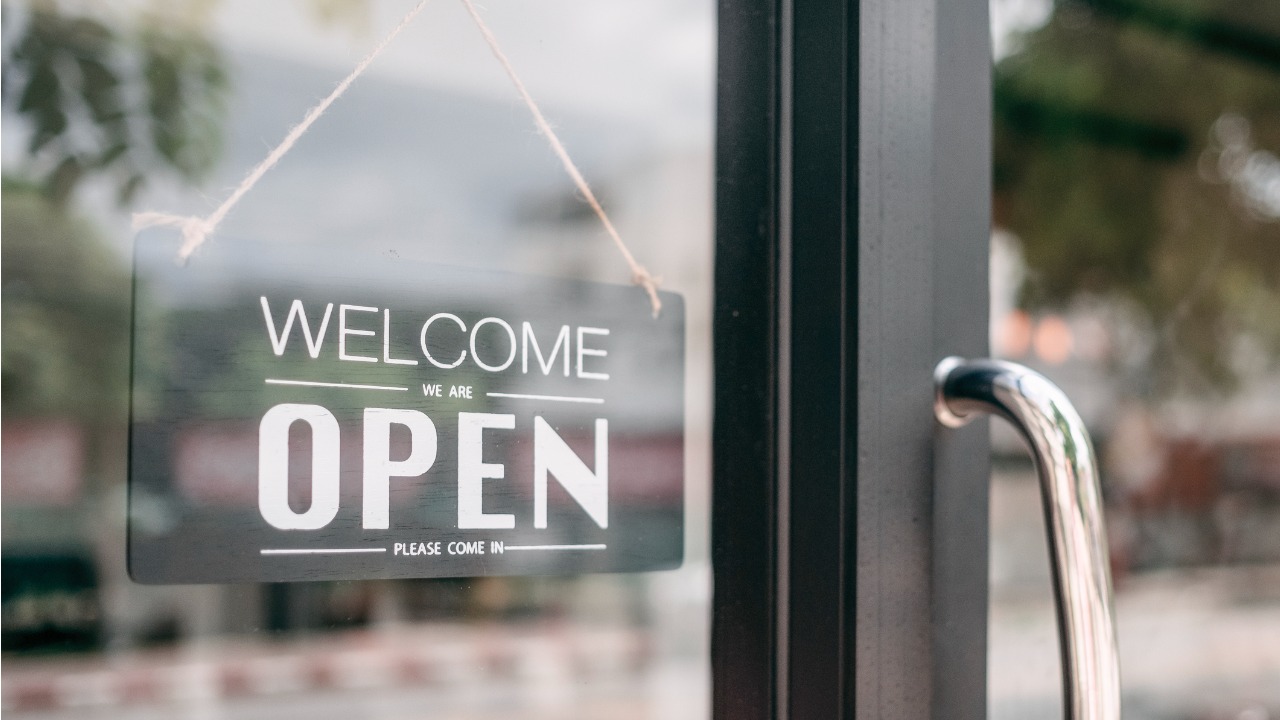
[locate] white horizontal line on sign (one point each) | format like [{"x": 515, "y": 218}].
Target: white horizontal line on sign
[
  {"x": 319, "y": 551},
  {"x": 555, "y": 398},
  {"x": 309, "y": 383},
  {"x": 556, "y": 547}
]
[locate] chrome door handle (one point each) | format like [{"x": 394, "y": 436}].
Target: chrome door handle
[{"x": 1072, "y": 499}]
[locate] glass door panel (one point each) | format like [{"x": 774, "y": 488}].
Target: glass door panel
[
  {"x": 1137, "y": 213},
  {"x": 429, "y": 158}
]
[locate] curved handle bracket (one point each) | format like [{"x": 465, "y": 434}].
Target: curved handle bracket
[{"x": 1064, "y": 460}]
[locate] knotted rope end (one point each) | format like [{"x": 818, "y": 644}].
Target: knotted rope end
[
  {"x": 641, "y": 276},
  {"x": 195, "y": 230}
]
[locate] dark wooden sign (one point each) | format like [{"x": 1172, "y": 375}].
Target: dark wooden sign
[{"x": 304, "y": 414}]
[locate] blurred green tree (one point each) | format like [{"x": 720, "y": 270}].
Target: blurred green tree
[
  {"x": 65, "y": 312},
  {"x": 109, "y": 99},
  {"x": 1132, "y": 162},
  {"x": 94, "y": 97},
  {"x": 119, "y": 96}
]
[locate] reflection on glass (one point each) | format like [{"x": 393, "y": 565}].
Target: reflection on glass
[
  {"x": 1135, "y": 262},
  {"x": 429, "y": 158}
]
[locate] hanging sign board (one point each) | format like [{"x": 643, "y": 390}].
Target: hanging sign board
[{"x": 301, "y": 414}]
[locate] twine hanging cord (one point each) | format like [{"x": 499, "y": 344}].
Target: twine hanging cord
[{"x": 196, "y": 230}]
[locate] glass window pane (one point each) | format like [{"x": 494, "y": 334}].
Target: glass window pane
[
  {"x": 1137, "y": 204},
  {"x": 430, "y": 157}
]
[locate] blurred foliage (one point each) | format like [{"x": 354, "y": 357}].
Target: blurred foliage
[
  {"x": 112, "y": 97},
  {"x": 64, "y": 306},
  {"x": 1109, "y": 137},
  {"x": 104, "y": 98},
  {"x": 97, "y": 98}
]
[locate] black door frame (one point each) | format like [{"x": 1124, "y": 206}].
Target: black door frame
[{"x": 849, "y": 536}]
